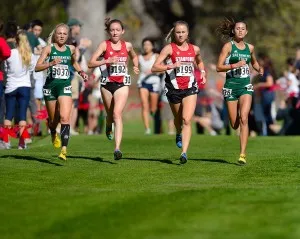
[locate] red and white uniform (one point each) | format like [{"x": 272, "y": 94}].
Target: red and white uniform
[
  {"x": 115, "y": 72},
  {"x": 182, "y": 77}
]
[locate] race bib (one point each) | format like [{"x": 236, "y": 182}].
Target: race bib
[
  {"x": 104, "y": 80},
  {"x": 47, "y": 92},
  {"x": 242, "y": 72},
  {"x": 227, "y": 92},
  {"x": 60, "y": 72},
  {"x": 127, "y": 80},
  {"x": 186, "y": 69},
  {"x": 249, "y": 87},
  {"x": 118, "y": 69},
  {"x": 68, "y": 90}
]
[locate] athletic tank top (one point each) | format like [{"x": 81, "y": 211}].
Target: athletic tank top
[
  {"x": 183, "y": 76},
  {"x": 145, "y": 67},
  {"x": 241, "y": 74},
  {"x": 115, "y": 72},
  {"x": 60, "y": 71}
]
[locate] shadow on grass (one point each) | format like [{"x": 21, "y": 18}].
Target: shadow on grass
[
  {"x": 166, "y": 161},
  {"x": 216, "y": 161},
  {"x": 30, "y": 158},
  {"x": 97, "y": 159}
]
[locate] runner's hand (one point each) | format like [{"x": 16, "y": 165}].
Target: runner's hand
[
  {"x": 83, "y": 75},
  {"x": 56, "y": 61},
  {"x": 136, "y": 70}
]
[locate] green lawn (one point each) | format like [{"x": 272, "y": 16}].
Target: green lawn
[{"x": 148, "y": 194}]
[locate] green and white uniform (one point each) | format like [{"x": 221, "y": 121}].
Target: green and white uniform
[
  {"x": 58, "y": 81},
  {"x": 238, "y": 79}
]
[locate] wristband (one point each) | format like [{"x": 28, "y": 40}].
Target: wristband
[
  {"x": 168, "y": 68},
  {"x": 231, "y": 66}
]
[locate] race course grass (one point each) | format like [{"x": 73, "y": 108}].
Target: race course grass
[{"x": 148, "y": 194}]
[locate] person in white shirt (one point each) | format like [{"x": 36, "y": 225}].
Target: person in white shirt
[
  {"x": 292, "y": 81},
  {"x": 148, "y": 83},
  {"x": 17, "y": 68},
  {"x": 39, "y": 77}
]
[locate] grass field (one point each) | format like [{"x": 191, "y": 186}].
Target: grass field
[{"x": 148, "y": 194}]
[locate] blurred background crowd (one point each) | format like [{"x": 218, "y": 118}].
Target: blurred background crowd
[{"x": 272, "y": 29}]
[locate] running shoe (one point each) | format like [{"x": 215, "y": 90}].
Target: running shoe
[
  {"x": 63, "y": 155},
  {"x": 117, "y": 154},
  {"x": 22, "y": 146},
  {"x": 56, "y": 141},
  {"x": 183, "y": 158},
  {"x": 242, "y": 159},
  {"x": 179, "y": 140},
  {"x": 109, "y": 132}
]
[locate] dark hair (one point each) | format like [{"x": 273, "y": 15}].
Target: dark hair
[
  {"x": 170, "y": 37},
  {"x": 10, "y": 29},
  {"x": 108, "y": 22},
  {"x": 148, "y": 39},
  {"x": 267, "y": 64},
  {"x": 26, "y": 26},
  {"x": 290, "y": 61},
  {"x": 37, "y": 22},
  {"x": 226, "y": 27}
]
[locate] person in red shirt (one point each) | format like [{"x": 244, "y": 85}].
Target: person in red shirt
[
  {"x": 115, "y": 79},
  {"x": 181, "y": 86},
  {"x": 4, "y": 54}
]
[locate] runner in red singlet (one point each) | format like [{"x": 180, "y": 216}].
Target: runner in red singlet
[
  {"x": 181, "y": 86},
  {"x": 115, "y": 79}
]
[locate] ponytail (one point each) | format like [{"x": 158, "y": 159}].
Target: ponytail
[
  {"x": 226, "y": 28},
  {"x": 24, "y": 48}
]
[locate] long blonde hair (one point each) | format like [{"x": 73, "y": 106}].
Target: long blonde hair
[
  {"x": 171, "y": 36},
  {"x": 24, "y": 48},
  {"x": 51, "y": 38}
]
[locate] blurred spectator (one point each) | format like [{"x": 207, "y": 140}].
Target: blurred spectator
[
  {"x": 18, "y": 67},
  {"x": 10, "y": 32},
  {"x": 39, "y": 78},
  {"x": 297, "y": 63},
  {"x": 292, "y": 90},
  {"x": 264, "y": 88},
  {"x": 80, "y": 47},
  {"x": 148, "y": 83}
]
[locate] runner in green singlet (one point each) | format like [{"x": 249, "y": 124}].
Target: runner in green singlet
[
  {"x": 57, "y": 89},
  {"x": 235, "y": 59}
]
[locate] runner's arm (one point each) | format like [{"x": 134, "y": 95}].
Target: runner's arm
[{"x": 94, "y": 59}]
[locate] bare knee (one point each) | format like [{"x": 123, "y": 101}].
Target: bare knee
[
  {"x": 64, "y": 119},
  {"x": 117, "y": 116},
  {"x": 186, "y": 121},
  {"x": 244, "y": 120}
]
